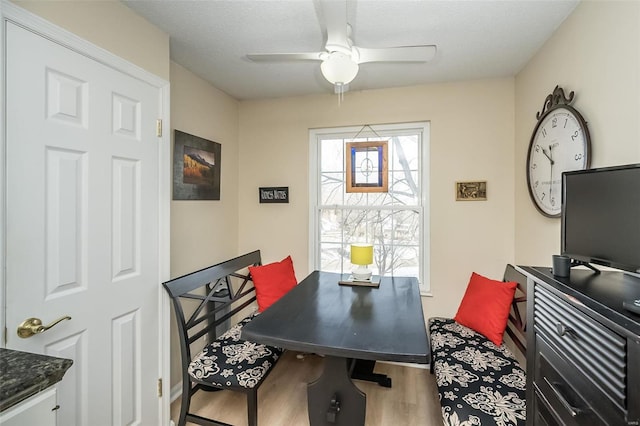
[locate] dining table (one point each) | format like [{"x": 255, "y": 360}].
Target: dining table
[{"x": 352, "y": 327}]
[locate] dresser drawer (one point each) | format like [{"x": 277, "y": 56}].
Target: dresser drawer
[
  {"x": 569, "y": 395},
  {"x": 593, "y": 350},
  {"x": 544, "y": 415},
  {"x": 563, "y": 388}
]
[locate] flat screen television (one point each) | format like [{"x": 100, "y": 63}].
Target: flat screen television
[{"x": 601, "y": 216}]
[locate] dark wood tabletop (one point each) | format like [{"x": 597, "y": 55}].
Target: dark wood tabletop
[{"x": 320, "y": 316}]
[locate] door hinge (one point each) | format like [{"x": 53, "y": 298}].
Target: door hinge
[
  {"x": 159, "y": 388},
  {"x": 6, "y": 335},
  {"x": 159, "y": 127}
]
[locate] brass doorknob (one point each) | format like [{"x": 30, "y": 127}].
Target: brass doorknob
[{"x": 32, "y": 326}]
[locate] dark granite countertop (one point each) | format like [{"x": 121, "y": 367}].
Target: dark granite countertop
[{"x": 23, "y": 374}]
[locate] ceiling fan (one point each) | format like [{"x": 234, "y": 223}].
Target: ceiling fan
[{"x": 341, "y": 58}]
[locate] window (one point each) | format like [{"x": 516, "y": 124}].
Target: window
[{"x": 395, "y": 222}]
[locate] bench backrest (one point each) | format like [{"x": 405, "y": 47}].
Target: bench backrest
[
  {"x": 206, "y": 299},
  {"x": 517, "y": 322}
]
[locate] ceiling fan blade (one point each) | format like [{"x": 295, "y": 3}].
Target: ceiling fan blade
[
  {"x": 397, "y": 54},
  {"x": 283, "y": 57},
  {"x": 335, "y": 19}
]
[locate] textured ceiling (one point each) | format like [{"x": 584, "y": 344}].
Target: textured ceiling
[{"x": 475, "y": 39}]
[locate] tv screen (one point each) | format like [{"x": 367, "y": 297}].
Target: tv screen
[{"x": 601, "y": 216}]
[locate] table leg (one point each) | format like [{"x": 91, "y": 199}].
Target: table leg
[
  {"x": 333, "y": 399},
  {"x": 363, "y": 370}
]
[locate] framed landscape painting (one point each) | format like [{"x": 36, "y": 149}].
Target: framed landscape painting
[{"x": 196, "y": 168}]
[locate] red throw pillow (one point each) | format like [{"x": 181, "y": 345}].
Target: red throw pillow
[
  {"x": 272, "y": 281},
  {"x": 485, "y": 306}
]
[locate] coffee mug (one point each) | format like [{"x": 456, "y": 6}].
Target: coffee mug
[{"x": 561, "y": 266}]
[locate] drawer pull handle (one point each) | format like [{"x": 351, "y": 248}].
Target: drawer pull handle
[
  {"x": 563, "y": 330},
  {"x": 574, "y": 411}
]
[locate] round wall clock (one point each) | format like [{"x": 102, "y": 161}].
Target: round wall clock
[{"x": 560, "y": 142}]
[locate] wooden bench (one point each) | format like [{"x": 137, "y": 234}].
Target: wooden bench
[
  {"x": 204, "y": 302},
  {"x": 478, "y": 382}
]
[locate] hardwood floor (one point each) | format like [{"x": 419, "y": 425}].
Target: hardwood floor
[{"x": 282, "y": 398}]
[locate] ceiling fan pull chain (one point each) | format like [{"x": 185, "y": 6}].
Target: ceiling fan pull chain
[{"x": 339, "y": 90}]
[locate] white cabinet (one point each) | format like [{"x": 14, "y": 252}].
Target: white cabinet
[{"x": 39, "y": 409}]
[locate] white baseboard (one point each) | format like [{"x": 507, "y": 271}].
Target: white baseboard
[
  {"x": 407, "y": 364},
  {"x": 176, "y": 392}
]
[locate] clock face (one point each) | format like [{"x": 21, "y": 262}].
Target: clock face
[{"x": 560, "y": 143}]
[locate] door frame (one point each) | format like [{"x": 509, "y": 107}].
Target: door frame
[{"x": 13, "y": 13}]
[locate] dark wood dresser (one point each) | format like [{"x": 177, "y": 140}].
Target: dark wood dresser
[{"x": 583, "y": 348}]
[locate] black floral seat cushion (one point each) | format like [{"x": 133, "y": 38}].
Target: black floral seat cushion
[
  {"x": 479, "y": 383},
  {"x": 230, "y": 361}
]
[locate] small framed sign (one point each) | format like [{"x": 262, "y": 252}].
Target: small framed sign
[
  {"x": 274, "y": 194},
  {"x": 471, "y": 191}
]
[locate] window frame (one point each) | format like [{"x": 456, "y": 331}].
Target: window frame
[{"x": 422, "y": 129}]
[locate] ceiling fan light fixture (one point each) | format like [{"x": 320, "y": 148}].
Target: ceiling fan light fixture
[{"x": 339, "y": 68}]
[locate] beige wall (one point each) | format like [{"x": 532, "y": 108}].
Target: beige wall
[
  {"x": 595, "y": 53},
  {"x": 471, "y": 138},
  {"x": 112, "y": 26},
  {"x": 205, "y": 232}
]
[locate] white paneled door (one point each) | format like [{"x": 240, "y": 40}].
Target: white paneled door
[{"x": 82, "y": 233}]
